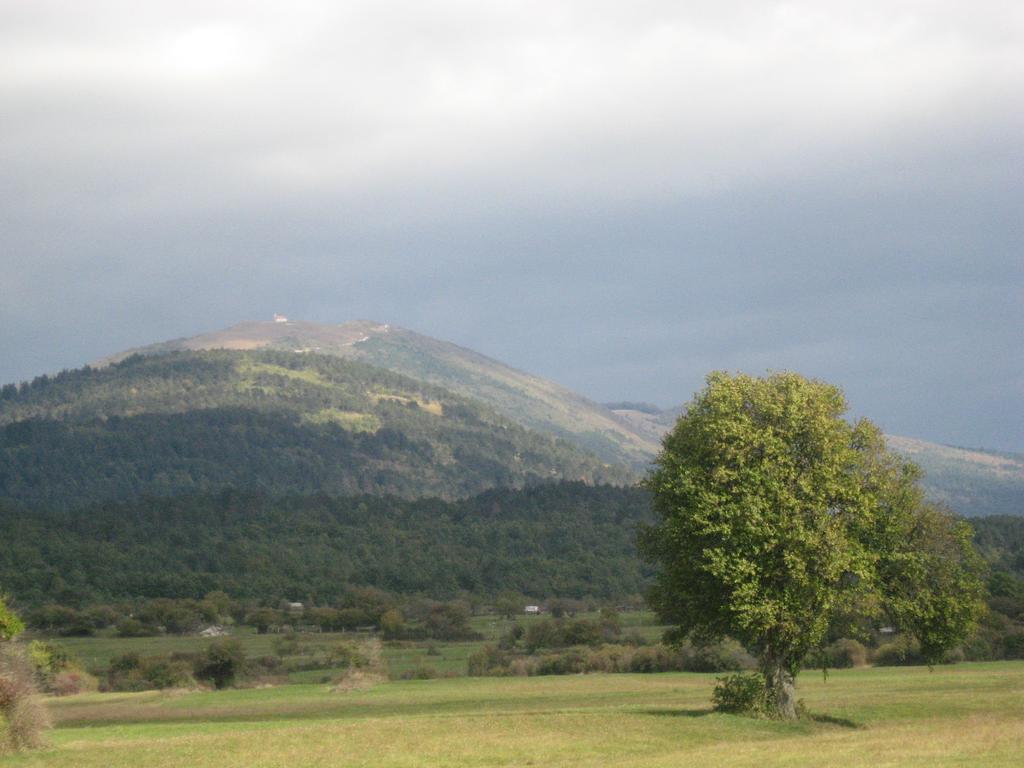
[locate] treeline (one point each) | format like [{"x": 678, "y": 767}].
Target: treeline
[
  {"x": 199, "y": 422},
  {"x": 396, "y": 617},
  {"x": 565, "y": 539},
  {"x": 552, "y": 540}
]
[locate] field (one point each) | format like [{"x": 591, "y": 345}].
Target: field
[{"x": 964, "y": 715}]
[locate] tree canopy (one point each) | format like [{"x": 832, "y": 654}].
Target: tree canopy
[
  {"x": 777, "y": 516},
  {"x": 10, "y": 625}
]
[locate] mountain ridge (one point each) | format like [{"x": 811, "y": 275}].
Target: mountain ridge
[
  {"x": 973, "y": 482},
  {"x": 530, "y": 400}
]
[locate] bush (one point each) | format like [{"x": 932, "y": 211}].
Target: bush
[
  {"x": 842, "y": 654},
  {"x": 220, "y": 663},
  {"x": 135, "y": 628},
  {"x": 723, "y": 656},
  {"x": 570, "y": 662},
  {"x": 903, "y": 651},
  {"x": 420, "y": 673},
  {"x": 55, "y": 673},
  {"x": 741, "y": 693},
  {"x": 69, "y": 682},
  {"x": 23, "y": 719},
  {"x": 489, "y": 661},
  {"x": 130, "y": 672},
  {"x": 655, "y": 658},
  {"x": 1013, "y": 645}
]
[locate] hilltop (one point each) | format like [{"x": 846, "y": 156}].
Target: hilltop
[{"x": 532, "y": 401}]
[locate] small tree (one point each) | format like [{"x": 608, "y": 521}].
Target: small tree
[
  {"x": 777, "y": 515},
  {"x": 10, "y": 625},
  {"x": 220, "y": 663}
]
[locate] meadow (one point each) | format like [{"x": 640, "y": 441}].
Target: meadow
[{"x": 963, "y": 715}]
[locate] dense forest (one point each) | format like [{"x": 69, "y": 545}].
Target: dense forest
[
  {"x": 565, "y": 539},
  {"x": 279, "y": 422},
  {"x": 553, "y": 540}
]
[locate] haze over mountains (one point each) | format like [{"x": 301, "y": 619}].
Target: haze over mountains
[{"x": 270, "y": 405}]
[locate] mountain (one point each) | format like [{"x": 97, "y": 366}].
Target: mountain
[
  {"x": 973, "y": 482},
  {"x": 529, "y": 400},
  {"x": 197, "y": 421}
]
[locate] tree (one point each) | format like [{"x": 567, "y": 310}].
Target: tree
[
  {"x": 777, "y": 516},
  {"x": 10, "y": 625},
  {"x": 220, "y": 663}
]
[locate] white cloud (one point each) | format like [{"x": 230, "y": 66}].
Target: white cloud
[{"x": 529, "y": 99}]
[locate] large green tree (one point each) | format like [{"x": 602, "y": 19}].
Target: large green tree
[{"x": 777, "y": 516}]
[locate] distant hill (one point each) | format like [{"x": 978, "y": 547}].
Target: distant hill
[
  {"x": 973, "y": 482},
  {"x": 185, "y": 422},
  {"x": 529, "y": 400}
]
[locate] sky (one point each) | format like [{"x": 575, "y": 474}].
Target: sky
[{"x": 618, "y": 196}]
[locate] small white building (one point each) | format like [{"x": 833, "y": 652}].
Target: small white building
[
  {"x": 533, "y": 609},
  {"x": 280, "y": 318}
]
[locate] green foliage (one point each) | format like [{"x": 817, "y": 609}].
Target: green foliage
[
  {"x": 777, "y": 516},
  {"x": 502, "y": 660},
  {"x": 130, "y": 672},
  {"x": 742, "y": 693},
  {"x": 840, "y": 654},
  {"x": 221, "y": 663},
  {"x": 10, "y": 625},
  {"x": 565, "y": 539}
]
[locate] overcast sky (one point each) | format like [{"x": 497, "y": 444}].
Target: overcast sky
[{"x": 621, "y": 196}]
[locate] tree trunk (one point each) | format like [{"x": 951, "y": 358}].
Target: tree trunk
[{"x": 781, "y": 688}]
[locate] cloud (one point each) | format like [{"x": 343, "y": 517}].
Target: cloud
[{"x": 619, "y": 195}]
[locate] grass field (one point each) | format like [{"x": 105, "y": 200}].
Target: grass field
[{"x": 964, "y": 715}]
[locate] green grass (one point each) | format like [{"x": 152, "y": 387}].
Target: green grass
[{"x": 966, "y": 715}]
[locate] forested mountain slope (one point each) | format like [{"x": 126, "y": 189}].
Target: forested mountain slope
[{"x": 278, "y": 421}]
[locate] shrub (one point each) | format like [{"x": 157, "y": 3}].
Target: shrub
[
  {"x": 654, "y": 658},
  {"x": 135, "y": 628},
  {"x": 570, "y": 662},
  {"x": 220, "y": 663},
  {"x": 741, "y": 693},
  {"x": 842, "y": 654},
  {"x": 903, "y": 651},
  {"x": 23, "y": 719},
  {"x": 724, "y": 656},
  {"x": 1013, "y": 645},
  {"x": 130, "y": 672},
  {"x": 68, "y": 682},
  {"x": 489, "y": 661},
  {"x": 420, "y": 673}
]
